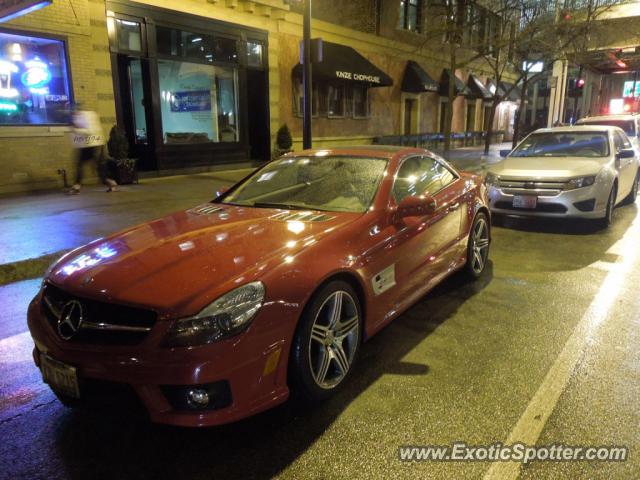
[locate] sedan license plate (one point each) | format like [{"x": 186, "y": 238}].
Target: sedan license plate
[
  {"x": 61, "y": 377},
  {"x": 525, "y": 201}
]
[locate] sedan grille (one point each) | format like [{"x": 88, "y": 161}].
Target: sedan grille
[
  {"x": 102, "y": 323},
  {"x": 541, "y": 188}
]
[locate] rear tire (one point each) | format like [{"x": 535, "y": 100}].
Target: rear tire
[
  {"x": 631, "y": 198},
  {"x": 326, "y": 342},
  {"x": 478, "y": 246}
]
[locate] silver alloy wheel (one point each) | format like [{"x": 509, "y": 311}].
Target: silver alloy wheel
[
  {"x": 479, "y": 245},
  {"x": 335, "y": 334}
]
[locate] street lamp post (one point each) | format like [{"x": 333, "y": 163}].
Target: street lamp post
[{"x": 306, "y": 76}]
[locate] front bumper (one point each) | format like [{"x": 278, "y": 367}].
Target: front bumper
[
  {"x": 253, "y": 365},
  {"x": 588, "y": 202}
]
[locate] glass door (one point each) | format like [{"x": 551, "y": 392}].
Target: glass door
[{"x": 135, "y": 97}]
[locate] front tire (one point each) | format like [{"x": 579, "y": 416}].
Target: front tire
[
  {"x": 478, "y": 246},
  {"x": 607, "y": 220},
  {"x": 326, "y": 342},
  {"x": 631, "y": 198}
]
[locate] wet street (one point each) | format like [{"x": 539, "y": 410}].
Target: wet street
[{"x": 542, "y": 349}]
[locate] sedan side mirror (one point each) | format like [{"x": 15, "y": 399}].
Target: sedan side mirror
[
  {"x": 504, "y": 153},
  {"x": 416, "y": 206},
  {"x": 626, "y": 153}
]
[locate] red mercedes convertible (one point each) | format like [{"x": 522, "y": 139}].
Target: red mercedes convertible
[{"x": 214, "y": 313}]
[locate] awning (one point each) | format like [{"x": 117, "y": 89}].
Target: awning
[
  {"x": 416, "y": 80},
  {"x": 460, "y": 87},
  {"x": 477, "y": 88},
  {"x": 340, "y": 62},
  {"x": 514, "y": 95},
  {"x": 503, "y": 88}
]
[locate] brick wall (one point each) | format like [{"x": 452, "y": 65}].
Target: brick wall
[{"x": 31, "y": 155}]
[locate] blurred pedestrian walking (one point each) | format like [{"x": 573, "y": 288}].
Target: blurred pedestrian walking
[{"x": 88, "y": 140}]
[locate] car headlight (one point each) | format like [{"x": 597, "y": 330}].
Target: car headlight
[
  {"x": 581, "y": 182},
  {"x": 227, "y": 316},
  {"x": 492, "y": 180}
]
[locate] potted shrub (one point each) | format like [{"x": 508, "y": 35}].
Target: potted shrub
[
  {"x": 283, "y": 141},
  {"x": 122, "y": 167}
]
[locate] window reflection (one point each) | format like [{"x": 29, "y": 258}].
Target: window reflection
[{"x": 198, "y": 102}]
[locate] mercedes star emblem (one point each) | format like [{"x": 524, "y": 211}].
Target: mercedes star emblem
[{"x": 70, "y": 320}]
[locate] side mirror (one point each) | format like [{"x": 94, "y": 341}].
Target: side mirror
[
  {"x": 222, "y": 190},
  {"x": 504, "y": 153},
  {"x": 416, "y": 206},
  {"x": 626, "y": 153}
]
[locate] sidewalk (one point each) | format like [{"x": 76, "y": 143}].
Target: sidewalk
[{"x": 36, "y": 229}]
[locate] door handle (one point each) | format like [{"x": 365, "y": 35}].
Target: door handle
[{"x": 454, "y": 207}]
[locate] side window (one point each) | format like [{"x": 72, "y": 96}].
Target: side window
[
  {"x": 419, "y": 175},
  {"x": 617, "y": 141},
  {"x": 622, "y": 142}
]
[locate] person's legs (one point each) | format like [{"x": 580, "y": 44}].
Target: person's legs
[{"x": 83, "y": 155}]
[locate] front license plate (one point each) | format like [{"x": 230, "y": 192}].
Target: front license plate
[
  {"x": 525, "y": 201},
  {"x": 61, "y": 377}
]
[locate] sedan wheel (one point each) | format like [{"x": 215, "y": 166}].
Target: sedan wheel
[
  {"x": 631, "y": 198},
  {"x": 478, "y": 246},
  {"x": 327, "y": 341},
  {"x": 611, "y": 205}
]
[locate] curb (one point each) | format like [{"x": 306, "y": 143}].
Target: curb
[{"x": 27, "y": 269}]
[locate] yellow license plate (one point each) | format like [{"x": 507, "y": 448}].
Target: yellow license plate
[{"x": 61, "y": 377}]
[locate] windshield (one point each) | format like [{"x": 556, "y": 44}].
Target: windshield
[
  {"x": 626, "y": 125},
  {"x": 341, "y": 184},
  {"x": 564, "y": 144}
]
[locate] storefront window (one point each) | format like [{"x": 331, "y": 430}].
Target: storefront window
[
  {"x": 254, "y": 54},
  {"x": 34, "y": 84},
  {"x": 298, "y": 95},
  {"x": 199, "y": 102},
  {"x": 129, "y": 35},
  {"x": 360, "y": 102},
  {"x": 196, "y": 46},
  {"x": 335, "y": 100}
]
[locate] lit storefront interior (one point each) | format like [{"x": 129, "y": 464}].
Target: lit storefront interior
[
  {"x": 34, "y": 81},
  {"x": 190, "y": 91}
]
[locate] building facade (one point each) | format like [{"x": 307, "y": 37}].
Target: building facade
[{"x": 195, "y": 83}]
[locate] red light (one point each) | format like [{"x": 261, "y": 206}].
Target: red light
[
  {"x": 627, "y": 107},
  {"x": 580, "y": 83},
  {"x": 621, "y": 64}
]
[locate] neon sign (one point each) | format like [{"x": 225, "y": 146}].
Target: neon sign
[
  {"x": 37, "y": 76},
  {"x": 8, "y": 107},
  {"x": 6, "y": 70}
]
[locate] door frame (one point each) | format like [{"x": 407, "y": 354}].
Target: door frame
[{"x": 415, "y": 115}]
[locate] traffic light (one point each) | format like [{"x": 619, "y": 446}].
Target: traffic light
[{"x": 576, "y": 86}]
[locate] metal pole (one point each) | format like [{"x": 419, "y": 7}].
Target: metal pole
[{"x": 306, "y": 76}]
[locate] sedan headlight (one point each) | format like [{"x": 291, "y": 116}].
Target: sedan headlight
[
  {"x": 227, "y": 316},
  {"x": 492, "y": 180},
  {"x": 581, "y": 182}
]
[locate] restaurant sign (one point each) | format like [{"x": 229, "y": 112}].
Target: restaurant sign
[
  {"x": 358, "y": 77},
  {"x": 10, "y": 9}
]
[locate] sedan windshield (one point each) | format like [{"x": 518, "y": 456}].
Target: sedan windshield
[
  {"x": 626, "y": 125},
  {"x": 341, "y": 184},
  {"x": 564, "y": 144}
]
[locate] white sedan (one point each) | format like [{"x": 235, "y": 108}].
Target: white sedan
[{"x": 581, "y": 172}]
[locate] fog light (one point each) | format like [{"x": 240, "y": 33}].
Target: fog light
[{"x": 198, "y": 398}]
